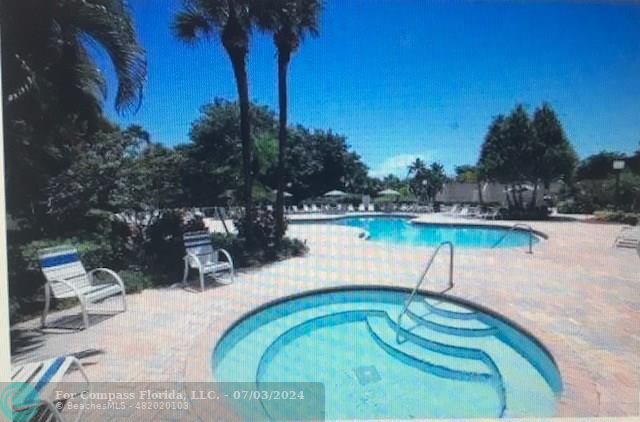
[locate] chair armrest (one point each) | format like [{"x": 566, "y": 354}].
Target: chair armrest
[
  {"x": 227, "y": 255},
  {"x": 193, "y": 258},
  {"x": 112, "y": 273}
]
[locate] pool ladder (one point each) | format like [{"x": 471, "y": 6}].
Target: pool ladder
[
  {"x": 512, "y": 229},
  {"x": 421, "y": 280}
]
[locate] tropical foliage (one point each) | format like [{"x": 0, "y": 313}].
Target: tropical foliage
[
  {"x": 53, "y": 88},
  {"x": 519, "y": 150}
]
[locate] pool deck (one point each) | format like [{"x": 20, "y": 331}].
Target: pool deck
[{"x": 576, "y": 293}]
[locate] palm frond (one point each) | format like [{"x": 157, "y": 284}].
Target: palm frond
[
  {"x": 190, "y": 24},
  {"x": 108, "y": 22}
]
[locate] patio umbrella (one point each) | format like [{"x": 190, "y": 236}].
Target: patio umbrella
[
  {"x": 335, "y": 194},
  {"x": 389, "y": 192}
]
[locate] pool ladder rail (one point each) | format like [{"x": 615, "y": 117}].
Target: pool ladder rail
[
  {"x": 423, "y": 276},
  {"x": 512, "y": 229}
]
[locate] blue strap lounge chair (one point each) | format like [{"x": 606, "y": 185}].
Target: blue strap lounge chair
[
  {"x": 201, "y": 256},
  {"x": 34, "y": 383},
  {"x": 67, "y": 278}
]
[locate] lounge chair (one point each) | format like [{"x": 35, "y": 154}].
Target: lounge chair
[
  {"x": 305, "y": 208},
  {"x": 464, "y": 212},
  {"x": 629, "y": 237},
  {"x": 201, "y": 256},
  {"x": 361, "y": 208},
  {"x": 350, "y": 208},
  {"x": 454, "y": 210},
  {"x": 371, "y": 208},
  {"x": 295, "y": 209},
  {"x": 27, "y": 402},
  {"x": 67, "y": 278},
  {"x": 314, "y": 208}
]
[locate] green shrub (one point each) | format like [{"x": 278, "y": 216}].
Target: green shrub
[
  {"x": 135, "y": 281},
  {"x": 248, "y": 257},
  {"x": 264, "y": 230},
  {"x": 572, "y": 206},
  {"x": 538, "y": 213},
  {"x": 618, "y": 217},
  {"x": 163, "y": 244}
]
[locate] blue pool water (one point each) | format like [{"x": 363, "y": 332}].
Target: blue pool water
[
  {"x": 401, "y": 230},
  {"x": 451, "y": 361}
]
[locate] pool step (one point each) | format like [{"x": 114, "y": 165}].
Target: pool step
[
  {"x": 428, "y": 360},
  {"x": 421, "y": 313},
  {"x": 448, "y": 309}
]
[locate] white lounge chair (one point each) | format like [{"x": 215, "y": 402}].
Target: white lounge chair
[
  {"x": 201, "y": 256},
  {"x": 305, "y": 208},
  {"x": 67, "y": 278},
  {"x": 454, "y": 210},
  {"x": 629, "y": 237},
  {"x": 361, "y": 208},
  {"x": 371, "y": 208},
  {"x": 314, "y": 208},
  {"x": 350, "y": 208},
  {"x": 27, "y": 401}
]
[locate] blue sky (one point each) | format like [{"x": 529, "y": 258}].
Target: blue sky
[{"x": 411, "y": 78}]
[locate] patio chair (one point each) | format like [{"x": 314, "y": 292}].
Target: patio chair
[
  {"x": 27, "y": 402},
  {"x": 314, "y": 208},
  {"x": 305, "y": 208},
  {"x": 201, "y": 256},
  {"x": 629, "y": 237},
  {"x": 350, "y": 208},
  {"x": 371, "y": 208},
  {"x": 361, "y": 208},
  {"x": 295, "y": 210},
  {"x": 67, "y": 278}
]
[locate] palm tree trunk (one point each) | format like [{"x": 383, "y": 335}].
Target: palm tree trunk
[
  {"x": 283, "y": 65},
  {"x": 238, "y": 61}
]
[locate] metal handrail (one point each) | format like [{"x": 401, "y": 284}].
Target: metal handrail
[
  {"x": 421, "y": 279},
  {"x": 511, "y": 229}
]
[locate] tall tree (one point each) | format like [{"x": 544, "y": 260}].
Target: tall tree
[
  {"x": 416, "y": 167},
  {"x": 519, "y": 150},
  {"x": 232, "y": 21},
  {"x": 551, "y": 153},
  {"x": 53, "y": 88},
  {"x": 289, "y": 21}
]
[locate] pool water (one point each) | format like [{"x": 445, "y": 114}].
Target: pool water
[
  {"x": 451, "y": 360},
  {"x": 401, "y": 230}
]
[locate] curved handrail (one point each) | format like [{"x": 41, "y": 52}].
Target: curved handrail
[
  {"x": 421, "y": 280},
  {"x": 511, "y": 230}
]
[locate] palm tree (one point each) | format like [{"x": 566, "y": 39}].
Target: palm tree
[
  {"x": 417, "y": 167},
  {"x": 232, "y": 20},
  {"x": 45, "y": 52},
  {"x": 289, "y": 21},
  {"x": 53, "y": 89}
]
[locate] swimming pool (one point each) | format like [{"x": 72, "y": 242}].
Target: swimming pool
[
  {"x": 453, "y": 360},
  {"x": 401, "y": 230}
]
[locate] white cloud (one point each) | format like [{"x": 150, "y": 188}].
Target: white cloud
[{"x": 396, "y": 164}]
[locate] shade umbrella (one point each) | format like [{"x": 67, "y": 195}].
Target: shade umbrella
[
  {"x": 389, "y": 192},
  {"x": 335, "y": 194}
]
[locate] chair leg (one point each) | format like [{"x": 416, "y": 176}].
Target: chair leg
[
  {"x": 85, "y": 315},
  {"x": 124, "y": 301},
  {"x": 186, "y": 272},
  {"x": 47, "y": 303}
]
